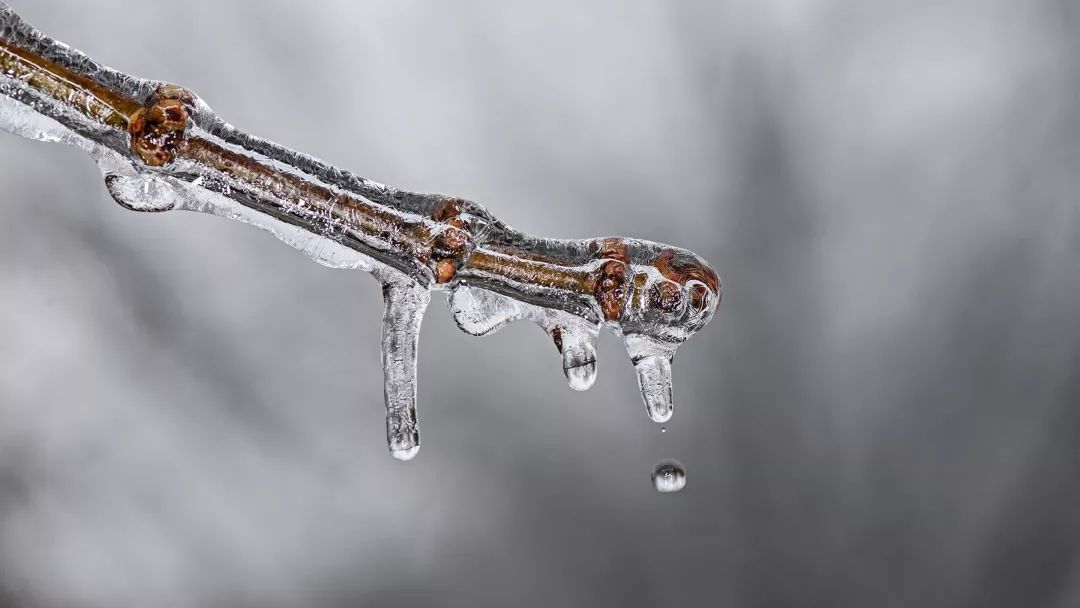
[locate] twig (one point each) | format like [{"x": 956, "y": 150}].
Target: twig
[{"x": 160, "y": 147}]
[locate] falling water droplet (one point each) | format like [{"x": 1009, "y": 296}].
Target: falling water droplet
[
  {"x": 669, "y": 476},
  {"x": 663, "y": 429}
]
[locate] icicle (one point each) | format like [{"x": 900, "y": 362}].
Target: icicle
[
  {"x": 652, "y": 360},
  {"x": 405, "y": 303}
]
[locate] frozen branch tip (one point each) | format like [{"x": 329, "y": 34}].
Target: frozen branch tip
[{"x": 161, "y": 148}]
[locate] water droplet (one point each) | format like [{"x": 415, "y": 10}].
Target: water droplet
[
  {"x": 663, "y": 429},
  {"x": 669, "y": 476}
]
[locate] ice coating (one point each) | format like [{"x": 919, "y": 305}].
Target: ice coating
[{"x": 161, "y": 148}]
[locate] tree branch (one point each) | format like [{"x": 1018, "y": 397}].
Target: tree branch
[{"x": 160, "y": 147}]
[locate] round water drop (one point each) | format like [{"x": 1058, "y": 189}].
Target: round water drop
[
  {"x": 669, "y": 476},
  {"x": 663, "y": 429}
]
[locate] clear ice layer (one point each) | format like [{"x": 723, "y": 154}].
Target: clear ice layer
[{"x": 161, "y": 148}]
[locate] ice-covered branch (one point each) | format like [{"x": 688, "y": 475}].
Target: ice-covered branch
[{"x": 160, "y": 147}]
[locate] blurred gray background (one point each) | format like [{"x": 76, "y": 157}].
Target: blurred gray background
[{"x": 885, "y": 412}]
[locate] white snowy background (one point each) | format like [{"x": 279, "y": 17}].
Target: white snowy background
[{"x": 885, "y": 412}]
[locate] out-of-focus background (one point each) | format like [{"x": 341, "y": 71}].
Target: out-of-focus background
[{"x": 885, "y": 411}]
